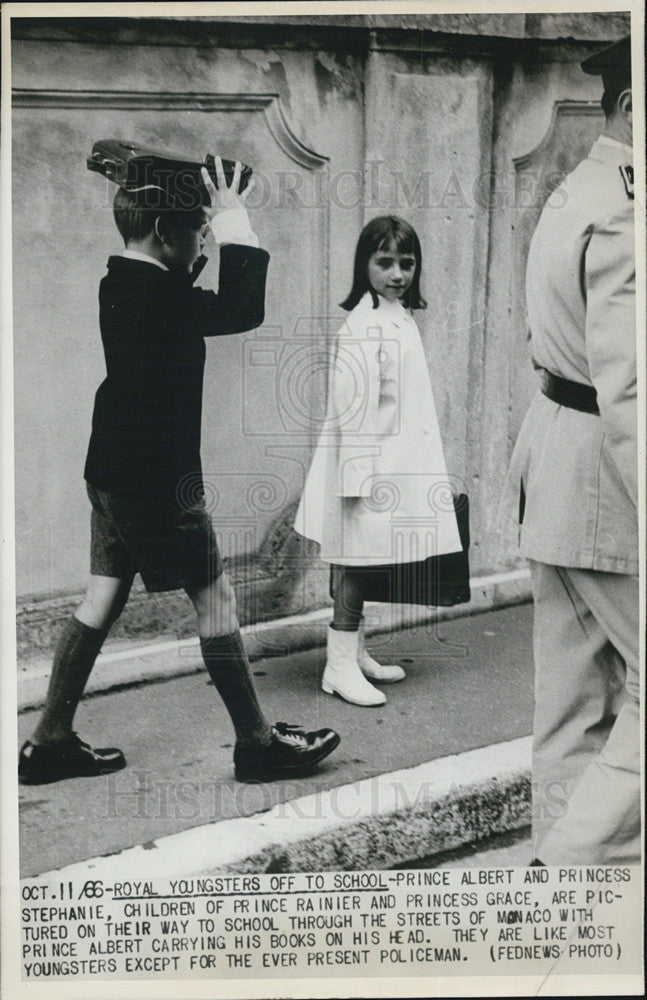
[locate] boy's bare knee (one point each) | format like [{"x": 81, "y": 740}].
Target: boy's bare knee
[
  {"x": 225, "y": 620},
  {"x": 96, "y": 613},
  {"x": 103, "y": 603},
  {"x": 215, "y": 606},
  {"x": 226, "y": 594}
]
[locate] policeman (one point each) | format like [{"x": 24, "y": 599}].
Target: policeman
[{"x": 576, "y": 460}]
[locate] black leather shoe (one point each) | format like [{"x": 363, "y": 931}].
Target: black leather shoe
[
  {"x": 71, "y": 758},
  {"x": 291, "y": 752}
]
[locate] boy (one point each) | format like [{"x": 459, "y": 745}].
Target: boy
[{"x": 143, "y": 469}]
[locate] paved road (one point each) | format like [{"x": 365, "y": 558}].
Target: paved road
[{"x": 469, "y": 684}]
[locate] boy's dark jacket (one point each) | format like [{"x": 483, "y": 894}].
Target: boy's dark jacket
[{"x": 147, "y": 412}]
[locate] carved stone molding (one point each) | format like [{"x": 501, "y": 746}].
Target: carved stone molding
[
  {"x": 284, "y": 135},
  {"x": 269, "y": 104},
  {"x": 561, "y": 110}
]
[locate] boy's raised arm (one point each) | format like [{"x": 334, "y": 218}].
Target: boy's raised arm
[{"x": 239, "y": 304}]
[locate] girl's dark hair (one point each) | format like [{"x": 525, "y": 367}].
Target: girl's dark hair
[
  {"x": 378, "y": 235},
  {"x": 135, "y": 218}
]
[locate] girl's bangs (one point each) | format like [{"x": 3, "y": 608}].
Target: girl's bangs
[{"x": 404, "y": 239}]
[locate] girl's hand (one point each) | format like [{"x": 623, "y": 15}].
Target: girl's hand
[{"x": 223, "y": 197}]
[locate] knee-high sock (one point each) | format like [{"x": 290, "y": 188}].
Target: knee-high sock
[
  {"x": 76, "y": 651},
  {"x": 348, "y": 603},
  {"x": 226, "y": 660}
]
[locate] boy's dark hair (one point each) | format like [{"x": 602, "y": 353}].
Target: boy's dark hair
[
  {"x": 378, "y": 235},
  {"x": 135, "y": 216}
]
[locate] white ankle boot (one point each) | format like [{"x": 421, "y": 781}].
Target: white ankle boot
[
  {"x": 371, "y": 668},
  {"x": 343, "y": 676}
]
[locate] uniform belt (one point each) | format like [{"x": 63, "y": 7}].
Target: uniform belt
[{"x": 572, "y": 394}]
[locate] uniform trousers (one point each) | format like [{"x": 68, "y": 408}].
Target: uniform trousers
[{"x": 586, "y": 745}]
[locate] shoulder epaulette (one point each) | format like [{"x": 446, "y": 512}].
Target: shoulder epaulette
[{"x": 627, "y": 174}]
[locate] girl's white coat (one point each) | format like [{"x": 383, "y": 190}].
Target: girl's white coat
[{"x": 378, "y": 489}]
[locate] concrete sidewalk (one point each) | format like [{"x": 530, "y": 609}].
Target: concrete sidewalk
[
  {"x": 123, "y": 662},
  {"x": 408, "y": 780}
]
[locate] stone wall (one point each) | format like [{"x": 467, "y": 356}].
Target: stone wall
[{"x": 460, "y": 123}]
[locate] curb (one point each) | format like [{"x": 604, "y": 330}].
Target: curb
[
  {"x": 372, "y": 824},
  {"x": 164, "y": 660}
]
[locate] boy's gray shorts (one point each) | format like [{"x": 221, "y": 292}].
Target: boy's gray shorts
[{"x": 170, "y": 547}]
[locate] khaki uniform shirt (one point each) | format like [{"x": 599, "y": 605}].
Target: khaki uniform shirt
[{"x": 579, "y": 470}]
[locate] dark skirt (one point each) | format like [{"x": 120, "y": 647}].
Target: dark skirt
[{"x": 439, "y": 581}]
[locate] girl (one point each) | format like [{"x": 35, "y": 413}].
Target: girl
[{"x": 377, "y": 491}]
